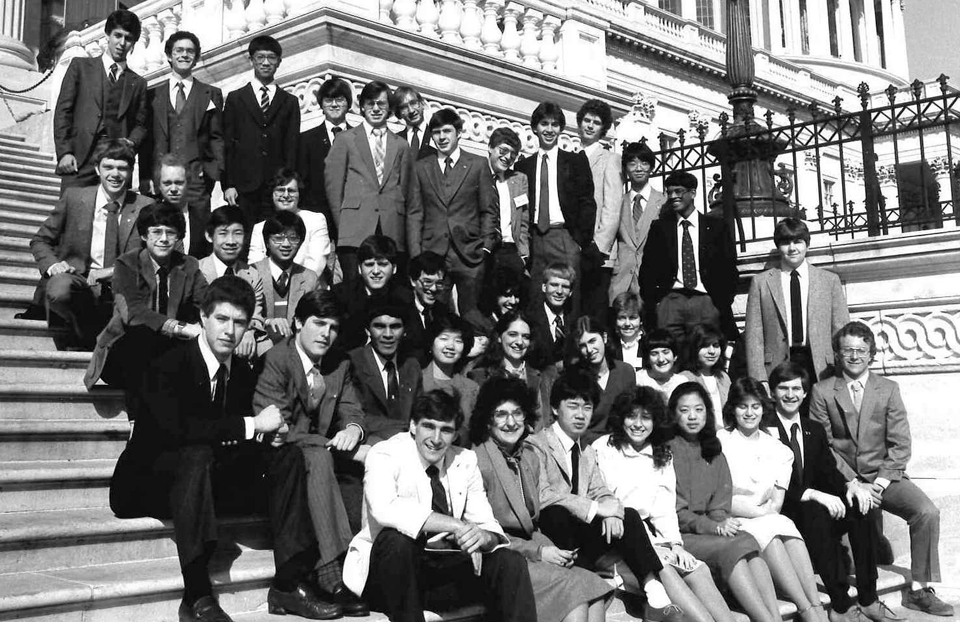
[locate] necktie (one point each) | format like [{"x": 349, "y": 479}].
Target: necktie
[
  {"x": 379, "y": 152},
  {"x": 162, "y": 291},
  {"x": 427, "y": 317},
  {"x": 439, "y": 503},
  {"x": 797, "y": 456},
  {"x": 336, "y": 130},
  {"x": 111, "y": 241},
  {"x": 558, "y": 333},
  {"x": 230, "y": 271},
  {"x": 637, "y": 208},
  {"x": 575, "y": 468},
  {"x": 857, "y": 389},
  {"x": 543, "y": 203},
  {"x": 114, "y": 73},
  {"x": 264, "y": 99},
  {"x": 220, "y": 391},
  {"x": 414, "y": 140},
  {"x": 687, "y": 261},
  {"x": 393, "y": 387},
  {"x": 796, "y": 311},
  {"x": 181, "y": 98},
  {"x": 282, "y": 285},
  {"x": 447, "y": 166},
  {"x": 317, "y": 387}
]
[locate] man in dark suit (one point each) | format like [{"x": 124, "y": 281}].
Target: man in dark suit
[
  {"x": 550, "y": 318},
  {"x": 407, "y": 104},
  {"x": 689, "y": 270},
  {"x": 316, "y": 396},
  {"x": 193, "y": 458},
  {"x": 639, "y": 208},
  {"x": 77, "y": 245},
  {"x": 387, "y": 381},
  {"x": 824, "y": 504},
  {"x": 563, "y": 209},
  {"x": 867, "y": 428},
  {"x": 513, "y": 203},
  {"x": 367, "y": 176},
  {"x": 100, "y": 100},
  {"x": 171, "y": 178},
  {"x": 261, "y": 130},
  {"x": 426, "y": 280},
  {"x": 335, "y": 97},
  {"x": 452, "y": 210},
  {"x": 186, "y": 120}
]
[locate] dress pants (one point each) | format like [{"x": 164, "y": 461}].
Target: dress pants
[
  {"x": 128, "y": 360},
  {"x": 905, "y": 499},
  {"x": 466, "y": 277},
  {"x": 404, "y": 580},
  {"x": 554, "y": 246},
  {"x": 68, "y": 297},
  {"x": 680, "y": 310},
  {"x": 327, "y": 509}
]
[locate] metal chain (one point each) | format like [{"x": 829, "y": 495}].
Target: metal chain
[{"x": 26, "y": 90}]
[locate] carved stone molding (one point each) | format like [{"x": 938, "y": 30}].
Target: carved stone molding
[{"x": 916, "y": 339}]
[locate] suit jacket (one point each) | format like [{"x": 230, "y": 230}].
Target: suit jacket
[
  {"x": 302, "y": 280},
  {"x": 78, "y": 116},
  {"x": 607, "y": 193},
  {"x": 717, "y": 266},
  {"x": 426, "y": 146},
  {"x": 66, "y": 233},
  {"x": 519, "y": 210},
  {"x": 283, "y": 383},
  {"x": 540, "y": 382},
  {"x": 257, "y": 144},
  {"x": 766, "y": 330},
  {"x": 874, "y": 443},
  {"x": 373, "y": 395},
  {"x": 134, "y": 290},
  {"x": 415, "y": 333},
  {"x": 819, "y": 466},
  {"x": 249, "y": 274},
  {"x": 558, "y": 491},
  {"x": 458, "y": 211},
  {"x": 575, "y": 192},
  {"x": 311, "y": 162},
  {"x": 631, "y": 239},
  {"x": 397, "y": 494},
  {"x": 544, "y": 352},
  {"x": 358, "y": 201}
]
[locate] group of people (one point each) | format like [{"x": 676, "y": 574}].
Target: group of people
[{"x": 444, "y": 376}]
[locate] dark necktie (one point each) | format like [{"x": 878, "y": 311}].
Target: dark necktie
[
  {"x": 637, "y": 208},
  {"x": 114, "y": 73},
  {"x": 797, "y": 455},
  {"x": 231, "y": 272},
  {"x": 687, "y": 261},
  {"x": 543, "y": 203},
  {"x": 393, "y": 388},
  {"x": 796, "y": 311},
  {"x": 111, "y": 241},
  {"x": 162, "y": 290},
  {"x": 181, "y": 98},
  {"x": 439, "y": 503},
  {"x": 447, "y": 166},
  {"x": 414, "y": 140},
  {"x": 558, "y": 333},
  {"x": 336, "y": 130},
  {"x": 575, "y": 468},
  {"x": 282, "y": 285},
  {"x": 220, "y": 392},
  {"x": 264, "y": 99},
  {"x": 427, "y": 317}
]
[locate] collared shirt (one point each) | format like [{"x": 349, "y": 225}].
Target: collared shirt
[
  {"x": 552, "y": 321},
  {"x": 506, "y": 207},
  {"x": 187, "y": 87},
  {"x": 213, "y": 366},
  {"x": 803, "y": 271},
  {"x": 109, "y": 62},
  {"x": 787, "y": 424},
  {"x": 851, "y": 381},
  {"x": 98, "y": 239},
  {"x": 383, "y": 371},
  {"x": 567, "y": 444},
  {"x": 694, "y": 221},
  {"x": 420, "y": 310},
  {"x": 308, "y": 364},
  {"x": 630, "y": 354},
  {"x": 219, "y": 268},
  {"x": 276, "y": 271},
  {"x": 330, "y": 133},
  {"x": 156, "y": 277},
  {"x": 185, "y": 210},
  {"x": 444, "y": 480},
  {"x": 556, "y": 214},
  {"x": 442, "y": 159},
  {"x": 420, "y": 134},
  {"x": 591, "y": 149},
  {"x": 644, "y": 199},
  {"x": 257, "y": 85},
  {"x": 371, "y": 139}
]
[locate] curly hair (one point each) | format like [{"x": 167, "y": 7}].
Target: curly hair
[
  {"x": 494, "y": 392},
  {"x": 740, "y": 390},
  {"x": 710, "y": 446},
  {"x": 649, "y": 400}
]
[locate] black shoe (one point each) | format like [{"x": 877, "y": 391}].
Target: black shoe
[
  {"x": 33, "y": 312},
  {"x": 206, "y": 609},
  {"x": 349, "y": 602},
  {"x": 303, "y": 602}
]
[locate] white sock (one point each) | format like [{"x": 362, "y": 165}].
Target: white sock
[
  {"x": 656, "y": 595},
  {"x": 916, "y": 585}
]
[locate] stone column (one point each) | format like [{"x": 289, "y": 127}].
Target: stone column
[
  {"x": 845, "y": 31},
  {"x": 13, "y": 52},
  {"x": 817, "y": 26},
  {"x": 688, "y": 9},
  {"x": 897, "y": 61},
  {"x": 776, "y": 29},
  {"x": 872, "y": 41}
]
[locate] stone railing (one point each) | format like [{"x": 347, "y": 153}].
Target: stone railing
[{"x": 916, "y": 338}]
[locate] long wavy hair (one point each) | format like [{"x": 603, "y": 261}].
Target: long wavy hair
[
  {"x": 700, "y": 337},
  {"x": 649, "y": 400},
  {"x": 710, "y": 446}
]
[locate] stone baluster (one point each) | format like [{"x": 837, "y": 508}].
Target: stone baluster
[
  {"x": 255, "y": 15},
  {"x": 170, "y": 21},
  {"x": 406, "y": 12},
  {"x": 549, "y": 50},
  {"x": 234, "y": 21},
  {"x": 472, "y": 25},
  {"x": 137, "y": 59},
  {"x": 385, "y": 7},
  {"x": 153, "y": 52},
  {"x": 490, "y": 35},
  {"x": 428, "y": 16},
  {"x": 274, "y": 11},
  {"x": 451, "y": 14},
  {"x": 510, "y": 43},
  {"x": 530, "y": 44}
]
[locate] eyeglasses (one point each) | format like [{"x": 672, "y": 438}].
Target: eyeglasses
[
  {"x": 283, "y": 191},
  {"x": 850, "y": 353},
  {"x": 516, "y": 414},
  {"x": 431, "y": 284},
  {"x": 157, "y": 233},
  {"x": 280, "y": 238},
  {"x": 506, "y": 152},
  {"x": 266, "y": 58},
  {"x": 375, "y": 103},
  {"x": 339, "y": 101},
  {"x": 184, "y": 51}
]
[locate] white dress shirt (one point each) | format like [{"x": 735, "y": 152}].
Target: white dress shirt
[
  {"x": 381, "y": 367},
  {"x": 567, "y": 443},
  {"x": 506, "y": 209},
  {"x": 695, "y": 237},
  {"x": 98, "y": 237},
  {"x": 187, "y": 87},
  {"x": 788, "y": 423},
  {"x": 331, "y": 135},
  {"x": 803, "y": 271},
  {"x": 372, "y": 140},
  {"x": 213, "y": 366},
  {"x": 556, "y": 214},
  {"x": 442, "y": 159},
  {"x": 258, "y": 85},
  {"x": 109, "y": 62},
  {"x": 315, "y": 249}
]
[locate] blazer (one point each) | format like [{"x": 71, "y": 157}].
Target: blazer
[
  {"x": 397, "y": 494},
  {"x": 717, "y": 266},
  {"x": 544, "y": 352},
  {"x": 608, "y": 194},
  {"x": 134, "y": 290},
  {"x": 311, "y": 163},
  {"x": 358, "y": 201},
  {"x": 66, "y": 233},
  {"x": 553, "y": 463},
  {"x": 631, "y": 239},
  {"x": 415, "y": 333},
  {"x": 819, "y": 466},
  {"x": 302, "y": 280},
  {"x": 205, "y": 106},
  {"x": 766, "y": 330},
  {"x": 249, "y": 274},
  {"x": 575, "y": 192},
  {"x": 874, "y": 443},
  {"x": 519, "y": 209},
  {"x": 284, "y": 384},
  {"x": 540, "y": 382},
  {"x": 426, "y": 146},
  {"x": 458, "y": 211},
  {"x": 373, "y": 395},
  {"x": 257, "y": 144},
  {"x": 78, "y": 116}
]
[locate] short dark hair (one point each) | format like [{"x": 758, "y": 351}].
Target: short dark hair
[
  {"x": 791, "y": 229},
  {"x": 170, "y": 160},
  {"x": 625, "y": 302},
  {"x": 740, "y": 390},
  {"x": 398, "y": 96},
  {"x": 855, "y": 329},
  {"x": 505, "y": 135},
  {"x": 377, "y": 247},
  {"x": 318, "y": 303},
  {"x": 438, "y": 405},
  {"x": 787, "y": 371},
  {"x": 503, "y": 282},
  {"x": 335, "y": 87},
  {"x": 373, "y": 90},
  {"x": 651, "y": 401},
  {"x": 546, "y": 110},
  {"x": 701, "y": 336},
  {"x": 494, "y": 392},
  {"x": 179, "y": 35},
  {"x": 116, "y": 149},
  {"x": 572, "y": 383},
  {"x": 637, "y": 151},
  {"x": 125, "y": 19},
  {"x": 284, "y": 176},
  {"x": 657, "y": 338},
  {"x": 280, "y": 222},
  {"x": 681, "y": 178},
  {"x": 710, "y": 446},
  {"x": 160, "y": 214},
  {"x": 599, "y": 108},
  {"x": 445, "y": 116},
  {"x": 231, "y": 290},
  {"x": 453, "y": 323},
  {"x": 385, "y": 305},
  {"x": 427, "y": 262},
  {"x": 226, "y": 215},
  {"x": 264, "y": 43}
]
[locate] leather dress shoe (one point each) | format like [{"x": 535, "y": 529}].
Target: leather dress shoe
[
  {"x": 302, "y": 601},
  {"x": 205, "y": 609},
  {"x": 879, "y": 612},
  {"x": 350, "y": 603}
]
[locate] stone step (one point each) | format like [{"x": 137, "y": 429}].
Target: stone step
[
  {"x": 15, "y": 243},
  {"x": 23, "y": 366},
  {"x": 55, "y": 485},
  {"x": 27, "y": 153},
  {"x": 27, "y": 197},
  {"x": 12, "y": 137},
  {"x": 33, "y": 217},
  {"x": 18, "y": 142},
  {"x": 41, "y": 171},
  {"x": 15, "y": 230},
  {"x": 53, "y": 402},
  {"x": 26, "y": 335},
  {"x": 18, "y": 282},
  {"x": 25, "y": 440},
  {"x": 28, "y": 206},
  {"x": 12, "y": 303},
  {"x": 18, "y": 259},
  {"x": 25, "y": 270},
  {"x": 28, "y": 183}
]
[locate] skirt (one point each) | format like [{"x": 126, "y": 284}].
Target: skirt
[
  {"x": 558, "y": 591},
  {"x": 667, "y": 558},
  {"x": 766, "y": 528},
  {"x": 720, "y": 553}
]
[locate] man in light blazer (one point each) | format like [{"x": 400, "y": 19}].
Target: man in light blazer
[
  {"x": 771, "y": 320},
  {"x": 422, "y": 493},
  {"x": 452, "y": 211},
  {"x": 639, "y": 207},
  {"x": 866, "y": 424},
  {"x": 366, "y": 177},
  {"x": 513, "y": 203}
]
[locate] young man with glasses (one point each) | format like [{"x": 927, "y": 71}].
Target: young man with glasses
[
  {"x": 639, "y": 207},
  {"x": 510, "y": 186},
  {"x": 407, "y": 105},
  {"x": 427, "y": 275},
  {"x": 867, "y": 428},
  {"x": 261, "y": 129},
  {"x": 335, "y": 97}
]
